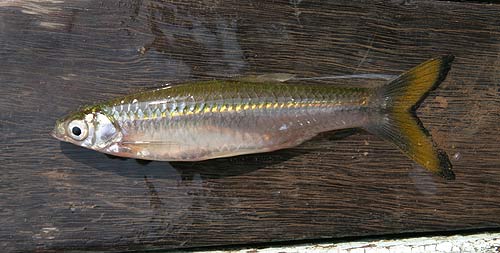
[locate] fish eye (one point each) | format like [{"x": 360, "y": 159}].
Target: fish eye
[{"x": 77, "y": 129}]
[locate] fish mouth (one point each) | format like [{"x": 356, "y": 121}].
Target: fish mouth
[
  {"x": 53, "y": 133},
  {"x": 57, "y": 134}
]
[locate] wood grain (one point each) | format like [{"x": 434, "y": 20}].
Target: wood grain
[{"x": 58, "y": 55}]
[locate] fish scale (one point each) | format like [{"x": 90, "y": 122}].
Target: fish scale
[{"x": 241, "y": 116}]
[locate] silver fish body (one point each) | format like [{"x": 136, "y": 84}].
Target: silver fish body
[
  {"x": 211, "y": 119},
  {"x": 215, "y": 119}
]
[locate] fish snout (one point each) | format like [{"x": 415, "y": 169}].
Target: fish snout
[{"x": 58, "y": 133}]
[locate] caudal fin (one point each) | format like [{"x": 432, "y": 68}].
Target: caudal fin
[{"x": 399, "y": 124}]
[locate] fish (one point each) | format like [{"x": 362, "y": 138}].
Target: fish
[{"x": 210, "y": 119}]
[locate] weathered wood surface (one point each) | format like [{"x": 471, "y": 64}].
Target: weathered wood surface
[{"x": 58, "y": 55}]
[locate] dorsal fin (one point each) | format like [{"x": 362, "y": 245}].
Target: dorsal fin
[{"x": 272, "y": 77}]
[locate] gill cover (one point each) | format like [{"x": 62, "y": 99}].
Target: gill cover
[{"x": 105, "y": 132}]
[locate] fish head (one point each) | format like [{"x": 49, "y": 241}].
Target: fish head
[{"x": 90, "y": 128}]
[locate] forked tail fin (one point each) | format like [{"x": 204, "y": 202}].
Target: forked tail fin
[{"x": 398, "y": 122}]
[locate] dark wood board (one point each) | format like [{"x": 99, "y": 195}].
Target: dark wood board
[{"x": 58, "y": 55}]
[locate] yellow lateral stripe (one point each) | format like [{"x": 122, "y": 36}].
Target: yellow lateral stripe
[{"x": 228, "y": 108}]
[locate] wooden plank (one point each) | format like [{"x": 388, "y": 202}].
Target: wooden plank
[{"x": 58, "y": 55}]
